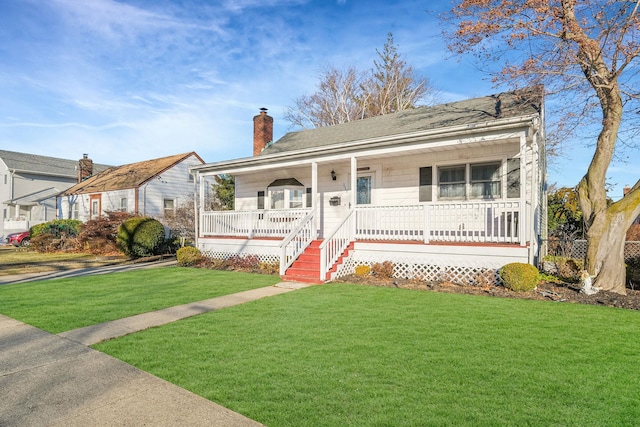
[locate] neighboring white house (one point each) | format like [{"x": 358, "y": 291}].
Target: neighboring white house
[
  {"x": 29, "y": 184},
  {"x": 450, "y": 192},
  {"x": 152, "y": 188}
]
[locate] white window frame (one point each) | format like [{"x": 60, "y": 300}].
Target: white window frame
[
  {"x": 166, "y": 209},
  {"x": 468, "y": 182},
  {"x": 292, "y": 195}
]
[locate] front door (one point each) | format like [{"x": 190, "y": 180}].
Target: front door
[
  {"x": 95, "y": 202},
  {"x": 364, "y": 185}
]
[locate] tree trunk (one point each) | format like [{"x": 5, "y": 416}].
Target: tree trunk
[{"x": 605, "y": 251}]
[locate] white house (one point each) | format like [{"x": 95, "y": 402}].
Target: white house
[
  {"x": 29, "y": 184},
  {"x": 451, "y": 192},
  {"x": 151, "y": 188}
]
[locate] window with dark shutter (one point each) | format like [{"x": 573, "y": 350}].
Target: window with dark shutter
[
  {"x": 513, "y": 178},
  {"x": 426, "y": 182},
  {"x": 260, "y": 199}
]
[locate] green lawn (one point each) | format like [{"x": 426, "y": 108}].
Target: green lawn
[
  {"x": 19, "y": 261},
  {"x": 348, "y": 355},
  {"x": 65, "y": 304}
]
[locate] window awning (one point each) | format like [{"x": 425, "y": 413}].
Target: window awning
[{"x": 285, "y": 182}]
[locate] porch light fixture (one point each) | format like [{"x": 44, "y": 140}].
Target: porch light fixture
[{"x": 333, "y": 175}]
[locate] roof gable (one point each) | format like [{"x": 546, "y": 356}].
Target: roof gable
[
  {"x": 128, "y": 176},
  {"x": 485, "y": 109}
]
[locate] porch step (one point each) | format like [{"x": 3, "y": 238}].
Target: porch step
[
  {"x": 307, "y": 267},
  {"x": 338, "y": 263}
]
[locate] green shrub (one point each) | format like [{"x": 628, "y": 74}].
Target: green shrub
[
  {"x": 141, "y": 236},
  {"x": 363, "y": 270},
  {"x": 57, "y": 227},
  {"x": 519, "y": 277},
  {"x": 188, "y": 256}
]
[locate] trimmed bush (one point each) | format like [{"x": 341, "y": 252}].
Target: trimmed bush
[
  {"x": 519, "y": 277},
  {"x": 363, "y": 270},
  {"x": 57, "y": 227},
  {"x": 141, "y": 236},
  {"x": 188, "y": 256}
]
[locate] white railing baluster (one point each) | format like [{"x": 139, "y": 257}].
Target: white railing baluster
[
  {"x": 297, "y": 241},
  {"x": 480, "y": 221},
  {"x": 335, "y": 244}
]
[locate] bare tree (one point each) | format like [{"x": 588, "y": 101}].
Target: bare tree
[
  {"x": 346, "y": 95},
  {"x": 337, "y": 100},
  {"x": 587, "y": 51},
  {"x": 181, "y": 221}
]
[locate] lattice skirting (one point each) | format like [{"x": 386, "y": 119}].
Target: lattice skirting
[
  {"x": 426, "y": 270},
  {"x": 266, "y": 258},
  {"x": 579, "y": 249}
]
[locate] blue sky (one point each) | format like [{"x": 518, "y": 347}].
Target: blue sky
[{"x": 130, "y": 80}]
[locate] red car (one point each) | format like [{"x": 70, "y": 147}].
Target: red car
[{"x": 18, "y": 239}]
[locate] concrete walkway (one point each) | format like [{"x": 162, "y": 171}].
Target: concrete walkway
[
  {"x": 103, "y": 331},
  {"x": 56, "y": 380}
]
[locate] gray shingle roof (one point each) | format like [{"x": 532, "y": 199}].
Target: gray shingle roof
[
  {"x": 43, "y": 165},
  {"x": 524, "y": 102}
]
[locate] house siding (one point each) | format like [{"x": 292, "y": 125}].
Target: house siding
[
  {"x": 395, "y": 179},
  {"x": 174, "y": 184}
]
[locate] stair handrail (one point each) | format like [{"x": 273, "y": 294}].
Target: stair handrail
[
  {"x": 335, "y": 244},
  {"x": 297, "y": 241}
]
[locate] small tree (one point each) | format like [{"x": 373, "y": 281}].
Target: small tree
[
  {"x": 224, "y": 192},
  {"x": 181, "y": 221}
]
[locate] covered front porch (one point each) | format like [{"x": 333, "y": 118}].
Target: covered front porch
[{"x": 284, "y": 236}]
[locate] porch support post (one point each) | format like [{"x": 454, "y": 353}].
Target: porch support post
[
  {"x": 523, "y": 190},
  {"x": 314, "y": 195},
  {"x": 354, "y": 195},
  {"x": 199, "y": 205}
]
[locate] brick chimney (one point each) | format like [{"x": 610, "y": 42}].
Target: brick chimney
[
  {"x": 85, "y": 168},
  {"x": 626, "y": 190},
  {"x": 262, "y": 131}
]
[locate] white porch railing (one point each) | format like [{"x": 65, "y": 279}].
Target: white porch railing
[
  {"x": 481, "y": 221},
  {"x": 335, "y": 244},
  {"x": 261, "y": 223},
  {"x": 446, "y": 222},
  {"x": 297, "y": 241}
]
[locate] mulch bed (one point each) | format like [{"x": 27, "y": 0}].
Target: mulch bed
[{"x": 562, "y": 292}]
